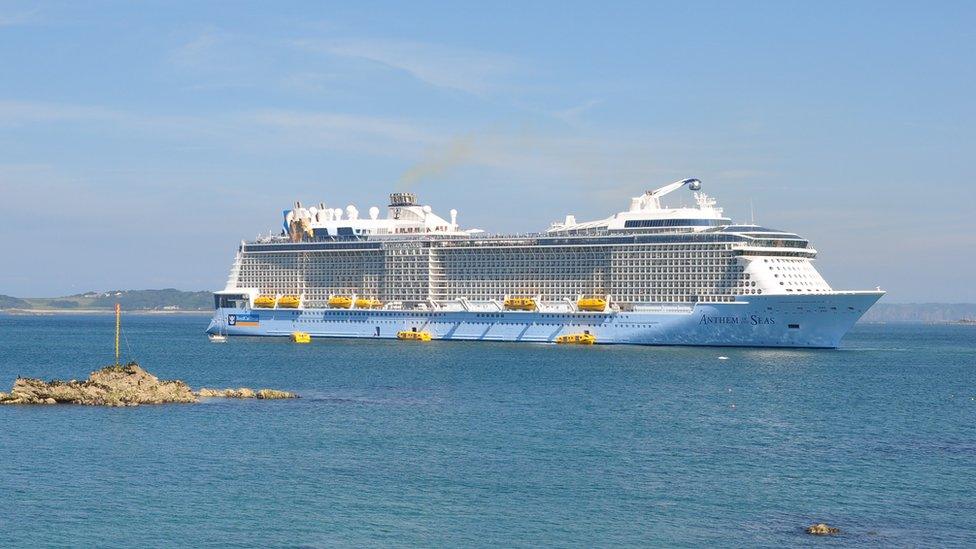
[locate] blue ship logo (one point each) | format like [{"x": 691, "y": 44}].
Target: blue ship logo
[{"x": 243, "y": 320}]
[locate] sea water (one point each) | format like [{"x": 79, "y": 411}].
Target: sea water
[{"x": 493, "y": 444}]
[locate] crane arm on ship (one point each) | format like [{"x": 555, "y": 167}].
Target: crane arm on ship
[{"x": 653, "y": 198}]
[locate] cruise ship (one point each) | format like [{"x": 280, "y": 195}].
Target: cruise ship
[{"x": 648, "y": 275}]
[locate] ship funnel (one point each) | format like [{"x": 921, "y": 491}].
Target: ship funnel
[{"x": 403, "y": 199}]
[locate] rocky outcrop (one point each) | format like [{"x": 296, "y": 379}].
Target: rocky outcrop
[
  {"x": 241, "y": 392},
  {"x": 821, "y": 529},
  {"x": 244, "y": 392},
  {"x": 271, "y": 394},
  {"x": 127, "y": 385}
]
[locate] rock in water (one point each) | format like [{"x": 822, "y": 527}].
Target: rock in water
[
  {"x": 127, "y": 385},
  {"x": 241, "y": 392},
  {"x": 131, "y": 384},
  {"x": 244, "y": 392},
  {"x": 821, "y": 529},
  {"x": 271, "y": 394}
]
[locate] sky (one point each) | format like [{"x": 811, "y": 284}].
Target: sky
[{"x": 140, "y": 142}]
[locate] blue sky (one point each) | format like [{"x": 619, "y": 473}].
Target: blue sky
[{"x": 140, "y": 142}]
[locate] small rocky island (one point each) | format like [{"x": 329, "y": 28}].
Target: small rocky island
[
  {"x": 821, "y": 529},
  {"x": 122, "y": 385}
]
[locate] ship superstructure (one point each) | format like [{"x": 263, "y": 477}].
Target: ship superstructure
[{"x": 663, "y": 275}]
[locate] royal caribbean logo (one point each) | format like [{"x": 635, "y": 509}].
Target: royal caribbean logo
[
  {"x": 751, "y": 320},
  {"x": 243, "y": 320}
]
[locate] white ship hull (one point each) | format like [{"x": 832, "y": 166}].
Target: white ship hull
[{"x": 815, "y": 321}]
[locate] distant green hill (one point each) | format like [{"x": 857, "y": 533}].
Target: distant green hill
[
  {"x": 7, "y": 302},
  {"x": 156, "y": 299},
  {"x": 130, "y": 300}
]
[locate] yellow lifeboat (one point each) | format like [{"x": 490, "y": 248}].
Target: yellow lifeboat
[
  {"x": 414, "y": 335},
  {"x": 289, "y": 302},
  {"x": 520, "y": 304},
  {"x": 264, "y": 301},
  {"x": 370, "y": 303},
  {"x": 592, "y": 304},
  {"x": 577, "y": 339},
  {"x": 340, "y": 302},
  {"x": 300, "y": 337}
]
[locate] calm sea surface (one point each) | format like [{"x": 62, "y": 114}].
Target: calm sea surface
[{"x": 451, "y": 443}]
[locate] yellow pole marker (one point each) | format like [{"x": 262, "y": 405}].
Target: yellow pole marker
[{"x": 118, "y": 328}]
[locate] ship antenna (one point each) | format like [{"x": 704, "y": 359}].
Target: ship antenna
[
  {"x": 752, "y": 213},
  {"x": 118, "y": 328}
]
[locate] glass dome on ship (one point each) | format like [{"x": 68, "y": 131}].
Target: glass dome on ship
[{"x": 651, "y": 274}]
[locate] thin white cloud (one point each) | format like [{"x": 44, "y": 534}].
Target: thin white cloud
[
  {"x": 202, "y": 51},
  {"x": 386, "y": 137},
  {"x": 215, "y": 59},
  {"x": 572, "y": 114},
  {"x": 388, "y": 129},
  {"x": 18, "y": 19},
  {"x": 218, "y": 58},
  {"x": 582, "y": 158},
  {"x": 12, "y": 112},
  {"x": 310, "y": 82},
  {"x": 470, "y": 71},
  {"x": 15, "y": 113},
  {"x": 382, "y": 137},
  {"x": 745, "y": 174}
]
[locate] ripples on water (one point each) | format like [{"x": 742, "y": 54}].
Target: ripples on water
[{"x": 452, "y": 443}]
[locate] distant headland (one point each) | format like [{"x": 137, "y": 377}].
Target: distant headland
[
  {"x": 937, "y": 313},
  {"x": 158, "y": 301}
]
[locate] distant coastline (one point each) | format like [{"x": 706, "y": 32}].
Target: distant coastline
[
  {"x": 934, "y": 313},
  {"x": 43, "y": 312},
  {"x": 149, "y": 301}
]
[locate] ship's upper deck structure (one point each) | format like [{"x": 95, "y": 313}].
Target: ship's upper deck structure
[{"x": 647, "y": 254}]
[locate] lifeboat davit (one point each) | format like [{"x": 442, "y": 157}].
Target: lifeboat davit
[
  {"x": 289, "y": 302},
  {"x": 340, "y": 302},
  {"x": 264, "y": 301},
  {"x": 520, "y": 304},
  {"x": 592, "y": 304}
]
